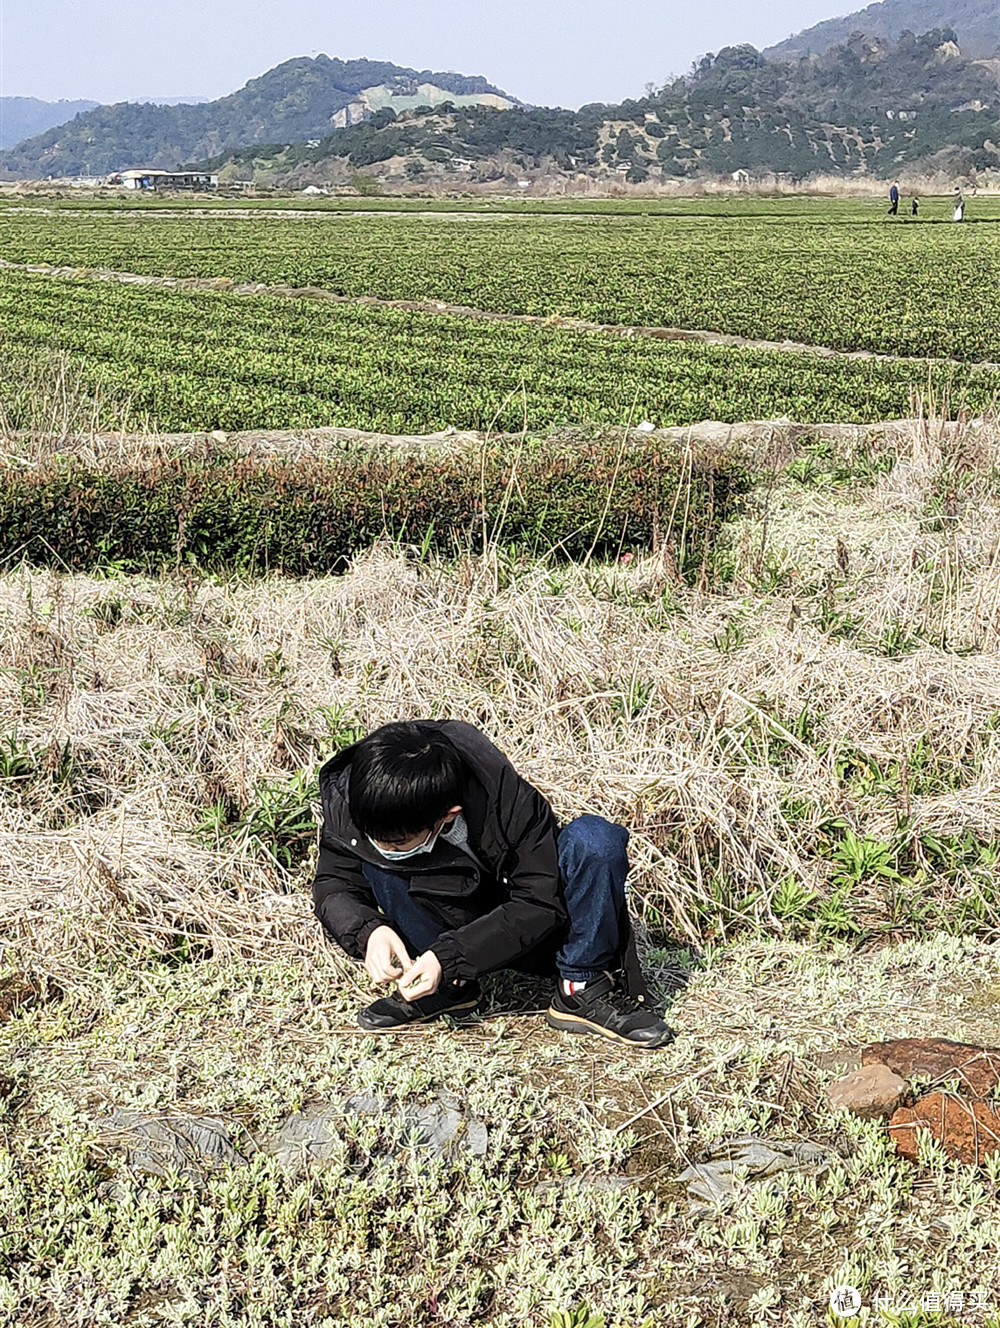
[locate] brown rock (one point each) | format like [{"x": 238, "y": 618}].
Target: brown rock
[
  {"x": 977, "y": 1069},
  {"x": 21, "y": 991},
  {"x": 873, "y": 1092},
  {"x": 969, "y": 1131}
]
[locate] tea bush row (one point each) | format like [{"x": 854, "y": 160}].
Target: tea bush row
[{"x": 302, "y": 517}]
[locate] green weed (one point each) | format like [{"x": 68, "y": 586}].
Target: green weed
[
  {"x": 580, "y": 1317},
  {"x": 278, "y": 823}
]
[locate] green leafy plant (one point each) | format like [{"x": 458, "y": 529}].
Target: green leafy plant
[
  {"x": 17, "y": 764},
  {"x": 278, "y": 823},
  {"x": 896, "y": 640},
  {"x": 731, "y": 637},
  {"x": 863, "y": 859},
  {"x": 834, "y": 917},
  {"x": 580, "y": 1317},
  {"x": 793, "y": 903},
  {"x": 558, "y": 1163}
]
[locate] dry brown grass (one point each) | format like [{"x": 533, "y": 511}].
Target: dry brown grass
[{"x": 611, "y": 688}]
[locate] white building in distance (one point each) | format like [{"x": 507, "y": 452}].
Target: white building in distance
[{"x": 150, "y": 179}]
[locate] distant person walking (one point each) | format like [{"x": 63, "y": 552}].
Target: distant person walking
[
  {"x": 914, "y": 206},
  {"x": 893, "y": 201},
  {"x": 959, "y": 212}
]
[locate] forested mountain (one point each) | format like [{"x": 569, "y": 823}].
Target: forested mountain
[
  {"x": 867, "y": 106},
  {"x": 297, "y": 100},
  {"x": 20, "y": 117},
  {"x": 977, "y": 23}
]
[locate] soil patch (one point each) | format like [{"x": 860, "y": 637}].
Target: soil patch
[{"x": 19, "y": 992}]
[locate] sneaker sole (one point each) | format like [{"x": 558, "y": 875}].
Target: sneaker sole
[
  {"x": 419, "y": 1019},
  {"x": 569, "y": 1023}
]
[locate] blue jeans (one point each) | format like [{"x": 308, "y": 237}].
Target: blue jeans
[{"x": 593, "y": 866}]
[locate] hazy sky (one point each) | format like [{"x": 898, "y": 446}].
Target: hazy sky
[{"x": 554, "y": 52}]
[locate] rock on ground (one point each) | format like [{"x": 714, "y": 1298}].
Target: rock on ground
[
  {"x": 440, "y": 1127},
  {"x": 977, "y": 1069},
  {"x": 20, "y": 992},
  {"x": 712, "y": 1184},
  {"x": 158, "y": 1144},
  {"x": 873, "y": 1092},
  {"x": 968, "y": 1131}
]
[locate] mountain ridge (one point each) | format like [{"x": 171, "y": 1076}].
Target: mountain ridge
[
  {"x": 976, "y": 23},
  {"x": 868, "y": 107},
  {"x": 294, "y": 101},
  {"x": 23, "y": 117}
]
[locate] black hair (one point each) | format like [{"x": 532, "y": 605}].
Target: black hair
[{"x": 404, "y": 778}]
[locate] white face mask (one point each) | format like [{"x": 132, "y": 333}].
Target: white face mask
[{"x": 400, "y": 854}]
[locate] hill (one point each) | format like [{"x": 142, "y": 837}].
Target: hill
[
  {"x": 869, "y": 106},
  {"x": 977, "y": 23},
  {"x": 301, "y": 99},
  {"x": 21, "y": 117}
]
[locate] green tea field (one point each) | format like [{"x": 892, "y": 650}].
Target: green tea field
[{"x": 921, "y": 294}]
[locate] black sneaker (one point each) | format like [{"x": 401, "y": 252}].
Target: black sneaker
[
  {"x": 393, "y": 1012},
  {"x": 601, "y": 1009}
]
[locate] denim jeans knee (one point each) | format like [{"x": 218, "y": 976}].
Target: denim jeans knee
[
  {"x": 593, "y": 839},
  {"x": 415, "y": 924}
]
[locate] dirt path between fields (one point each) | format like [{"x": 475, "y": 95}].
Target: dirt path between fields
[
  {"x": 332, "y": 213},
  {"x": 227, "y": 285},
  {"x": 776, "y": 441}
]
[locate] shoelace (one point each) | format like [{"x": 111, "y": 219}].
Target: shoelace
[{"x": 619, "y": 999}]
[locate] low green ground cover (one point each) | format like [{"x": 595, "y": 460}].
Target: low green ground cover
[
  {"x": 829, "y": 274},
  {"x": 575, "y": 1200},
  {"x": 182, "y": 361}
]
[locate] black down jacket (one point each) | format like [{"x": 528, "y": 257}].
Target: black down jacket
[{"x": 495, "y": 919}]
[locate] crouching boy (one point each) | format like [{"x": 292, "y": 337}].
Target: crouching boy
[{"x": 439, "y": 863}]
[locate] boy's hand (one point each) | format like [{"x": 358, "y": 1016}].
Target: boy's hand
[
  {"x": 421, "y": 978},
  {"x": 385, "y": 956}
]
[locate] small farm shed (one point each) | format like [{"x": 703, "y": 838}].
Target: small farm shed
[{"x": 150, "y": 179}]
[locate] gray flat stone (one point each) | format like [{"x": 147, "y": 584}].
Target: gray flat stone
[
  {"x": 305, "y": 1136},
  {"x": 441, "y": 1128},
  {"x": 712, "y": 1184},
  {"x": 156, "y": 1144}
]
